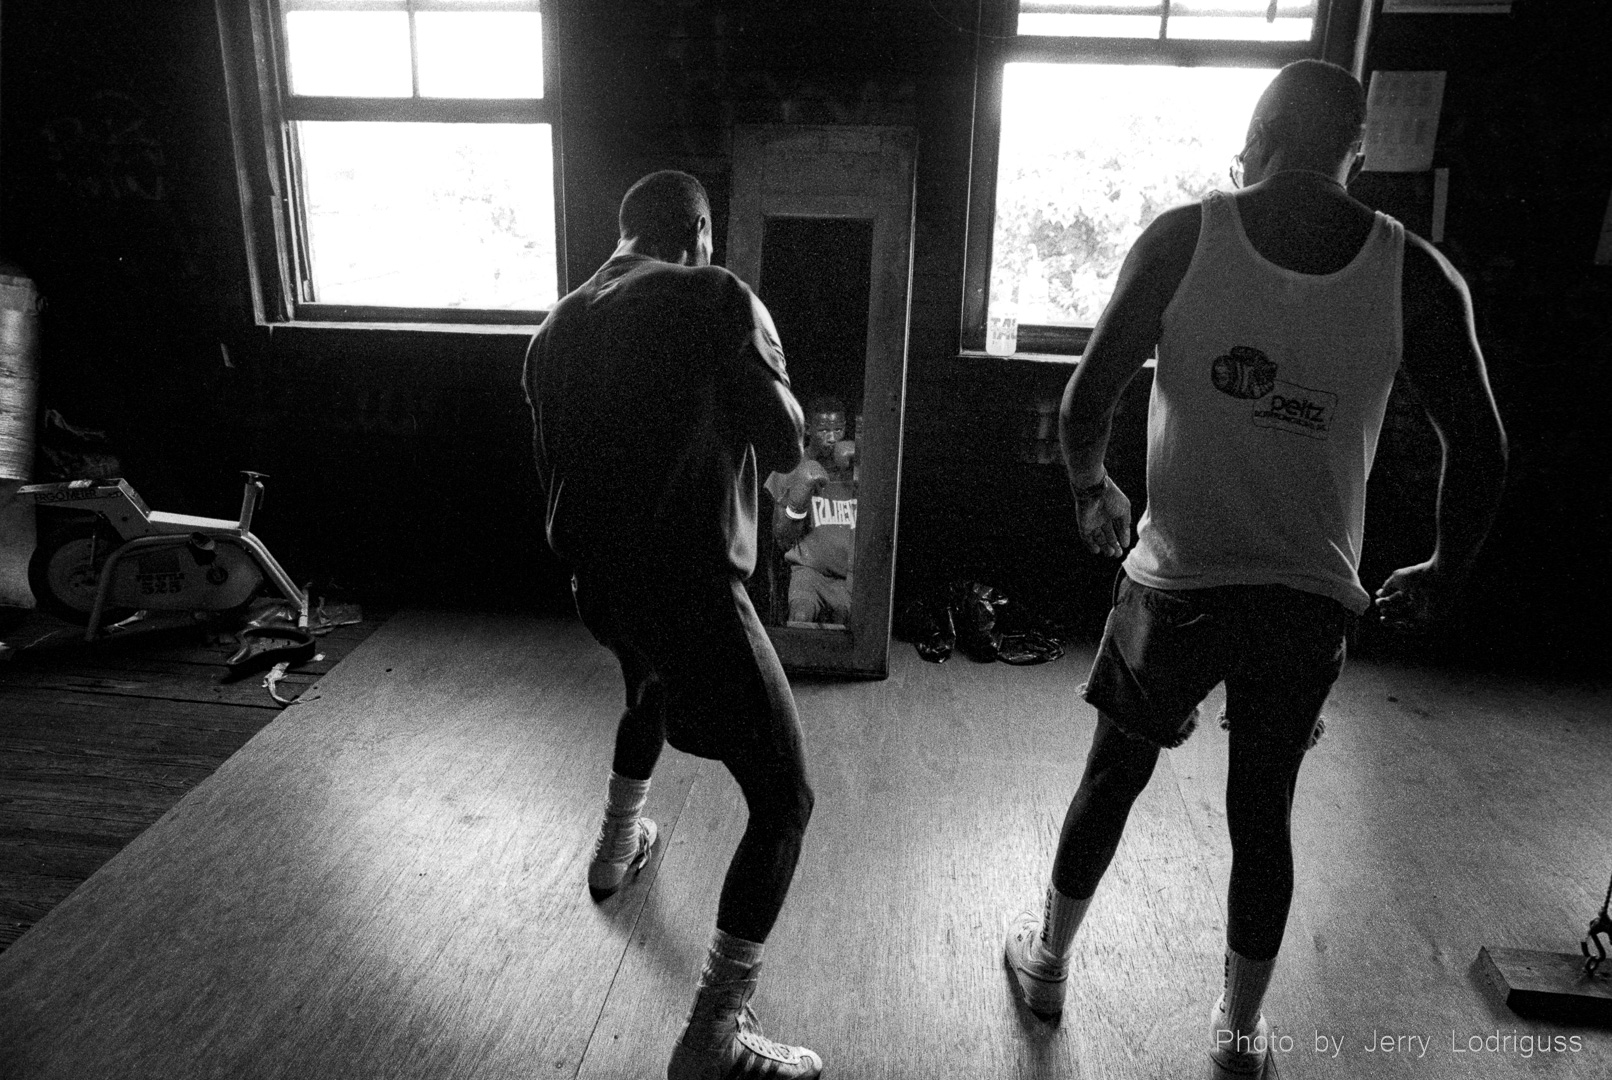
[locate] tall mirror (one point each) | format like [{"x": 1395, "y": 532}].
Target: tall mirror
[{"x": 821, "y": 228}]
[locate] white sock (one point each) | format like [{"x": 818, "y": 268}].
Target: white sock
[
  {"x": 730, "y": 958},
  {"x": 1246, "y": 981},
  {"x": 726, "y": 982},
  {"x": 618, "y": 836},
  {"x": 1060, "y": 918}
]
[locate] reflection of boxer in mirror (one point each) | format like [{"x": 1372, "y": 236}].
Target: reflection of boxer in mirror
[{"x": 814, "y": 518}]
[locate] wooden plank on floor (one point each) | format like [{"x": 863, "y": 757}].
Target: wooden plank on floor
[
  {"x": 84, "y": 767},
  {"x": 117, "y": 740},
  {"x": 45, "y": 855},
  {"x": 387, "y": 881},
  {"x": 92, "y": 825},
  {"x": 939, "y": 796},
  {"x": 203, "y": 686},
  {"x": 33, "y": 708},
  {"x": 26, "y": 897},
  {"x": 1439, "y": 813}
]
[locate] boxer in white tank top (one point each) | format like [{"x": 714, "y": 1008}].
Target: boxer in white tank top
[{"x": 1280, "y": 315}]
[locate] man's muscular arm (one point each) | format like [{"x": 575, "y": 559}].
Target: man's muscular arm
[
  {"x": 1444, "y": 365},
  {"x": 1121, "y": 343}
]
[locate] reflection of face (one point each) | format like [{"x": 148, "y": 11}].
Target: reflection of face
[{"x": 826, "y": 430}]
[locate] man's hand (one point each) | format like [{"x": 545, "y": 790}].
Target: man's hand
[
  {"x": 1414, "y": 596},
  {"x": 808, "y": 480},
  {"x": 1105, "y": 520},
  {"x": 844, "y": 454}
]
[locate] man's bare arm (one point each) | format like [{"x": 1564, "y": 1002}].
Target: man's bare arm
[
  {"x": 1123, "y": 340},
  {"x": 1444, "y": 365}
]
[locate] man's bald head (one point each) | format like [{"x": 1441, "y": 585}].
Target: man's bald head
[
  {"x": 1313, "y": 112},
  {"x": 665, "y": 213}
]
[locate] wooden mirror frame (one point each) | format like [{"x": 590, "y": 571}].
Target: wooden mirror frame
[{"x": 861, "y": 173}]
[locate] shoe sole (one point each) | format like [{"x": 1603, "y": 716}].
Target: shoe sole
[
  {"x": 1221, "y": 1071},
  {"x": 1039, "y": 1010},
  {"x": 687, "y": 1065},
  {"x": 1042, "y": 1009}
]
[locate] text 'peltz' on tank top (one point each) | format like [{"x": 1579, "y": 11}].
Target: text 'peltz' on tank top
[{"x": 1266, "y": 406}]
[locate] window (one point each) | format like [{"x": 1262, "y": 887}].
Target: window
[
  {"x": 1091, "y": 118},
  {"x": 408, "y": 165}
]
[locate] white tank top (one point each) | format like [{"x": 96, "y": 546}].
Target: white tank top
[{"x": 1266, "y": 406}]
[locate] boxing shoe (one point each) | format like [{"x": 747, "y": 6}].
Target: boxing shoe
[
  {"x": 724, "y": 1041},
  {"x": 747, "y": 1056},
  {"x": 619, "y": 854},
  {"x": 1041, "y": 978},
  {"x": 1234, "y": 1056}
]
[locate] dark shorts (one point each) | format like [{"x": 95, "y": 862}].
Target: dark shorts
[
  {"x": 694, "y": 648},
  {"x": 818, "y": 597},
  {"x": 1278, "y": 650}
]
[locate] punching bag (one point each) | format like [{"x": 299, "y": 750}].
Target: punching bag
[{"x": 19, "y": 408}]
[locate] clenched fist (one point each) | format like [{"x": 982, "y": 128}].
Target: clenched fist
[{"x": 807, "y": 480}]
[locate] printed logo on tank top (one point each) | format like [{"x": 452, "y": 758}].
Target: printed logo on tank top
[
  {"x": 833, "y": 511},
  {"x": 1244, "y": 372},
  {"x": 1247, "y": 374}
]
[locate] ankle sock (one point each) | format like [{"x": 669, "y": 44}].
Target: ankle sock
[
  {"x": 1060, "y": 918},
  {"x": 730, "y": 958},
  {"x": 1246, "y": 981},
  {"x": 726, "y": 982},
  {"x": 626, "y": 796},
  {"x": 624, "y": 803}
]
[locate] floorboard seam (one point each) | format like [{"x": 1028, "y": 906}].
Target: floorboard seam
[{"x": 666, "y": 839}]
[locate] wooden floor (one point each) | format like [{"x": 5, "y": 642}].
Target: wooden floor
[
  {"x": 99, "y": 741},
  {"x": 388, "y": 882}
]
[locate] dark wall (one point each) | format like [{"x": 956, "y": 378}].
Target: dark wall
[
  {"x": 1526, "y": 134},
  {"x": 400, "y": 458}
]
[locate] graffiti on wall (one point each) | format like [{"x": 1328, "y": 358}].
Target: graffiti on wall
[{"x": 107, "y": 153}]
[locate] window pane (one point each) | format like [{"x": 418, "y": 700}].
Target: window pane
[
  {"x": 1090, "y": 154},
  {"x": 430, "y": 215},
  {"x": 1115, "y": 26},
  {"x": 480, "y": 54},
  {"x": 1242, "y": 20},
  {"x": 358, "y": 53},
  {"x": 1077, "y": 18}
]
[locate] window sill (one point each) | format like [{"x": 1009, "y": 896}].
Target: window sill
[
  {"x": 1020, "y": 357},
  {"x": 1035, "y": 358},
  {"x": 522, "y": 329}
]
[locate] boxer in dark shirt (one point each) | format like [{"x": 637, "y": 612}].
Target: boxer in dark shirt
[{"x": 657, "y": 391}]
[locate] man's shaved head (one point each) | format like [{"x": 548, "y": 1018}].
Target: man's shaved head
[
  {"x": 1313, "y": 111},
  {"x": 663, "y": 210}
]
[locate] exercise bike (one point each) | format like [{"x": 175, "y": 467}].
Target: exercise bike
[{"x": 107, "y": 556}]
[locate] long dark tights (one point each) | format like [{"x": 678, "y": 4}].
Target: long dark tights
[
  {"x": 1259, "y": 799},
  {"x": 776, "y": 793}
]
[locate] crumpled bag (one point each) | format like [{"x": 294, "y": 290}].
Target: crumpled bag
[{"x": 980, "y": 620}]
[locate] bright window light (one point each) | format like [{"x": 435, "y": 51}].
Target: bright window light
[
  {"x": 349, "y": 53},
  {"x": 1090, "y": 155},
  {"x": 480, "y": 54},
  {"x": 430, "y": 215},
  {"x": 1117, "y": 18},
  {"x": 1241, "y": 20},
  {"x": 1218, "y": 20}
]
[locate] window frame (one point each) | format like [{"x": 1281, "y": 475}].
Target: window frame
[
  {"x": 998, "y": 45},
  {"x": 262, "y": 110}
]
